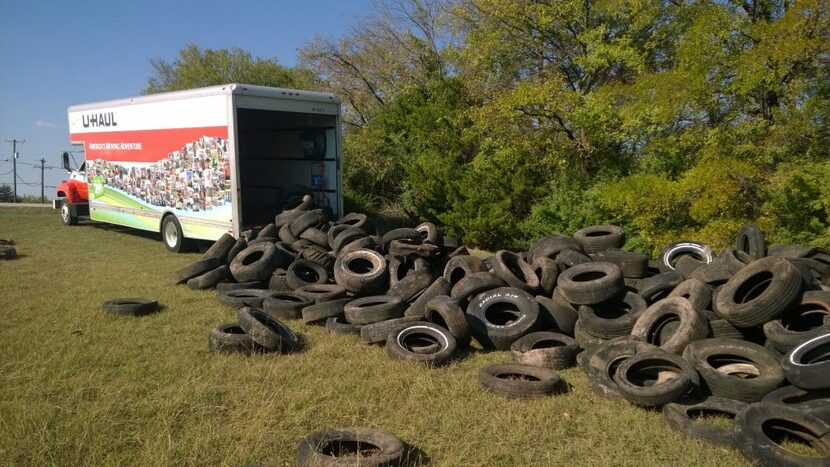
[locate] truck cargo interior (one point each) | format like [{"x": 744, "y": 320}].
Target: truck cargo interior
[{"x": 282, "y": 156}]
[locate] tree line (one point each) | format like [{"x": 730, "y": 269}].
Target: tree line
[{"x": 504, "y": 120}]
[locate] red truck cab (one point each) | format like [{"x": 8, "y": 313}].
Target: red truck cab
[{"x": 72, "y": 194}]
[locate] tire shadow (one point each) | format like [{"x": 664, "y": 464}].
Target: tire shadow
[{"x": 414, "y": 456}]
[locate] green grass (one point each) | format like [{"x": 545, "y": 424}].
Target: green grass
[{"x": 81, "y": 387}]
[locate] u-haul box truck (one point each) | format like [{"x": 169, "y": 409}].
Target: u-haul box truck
[{"x": 199, "y": 163}]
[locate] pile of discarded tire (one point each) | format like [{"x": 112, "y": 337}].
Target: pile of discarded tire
[{"x": 744, "y": 334}]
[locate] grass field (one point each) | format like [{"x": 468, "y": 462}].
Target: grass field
[{"x": 81, "y": 387}]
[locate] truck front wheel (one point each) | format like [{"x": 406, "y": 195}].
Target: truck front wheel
[
  {"x": 68, "y": 216},
  {"x": 172, "y": 234}
]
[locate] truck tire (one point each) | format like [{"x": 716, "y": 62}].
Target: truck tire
[
  {"x": 683, "y": 418},
  {"x": 516, "y": 381},
  {"x": 173, "y": 236},
  {"x": 68, "y": 216},
  {"x": 131, "y": 306},
  {"x": 350, "y": 446},
  {"x": 404, "y": 341},
  {"x": 499, "y": 317},
  {"x": 755, "y": 426}
]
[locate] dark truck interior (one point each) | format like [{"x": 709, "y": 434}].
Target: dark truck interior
[{"x": 282, "y": 157}]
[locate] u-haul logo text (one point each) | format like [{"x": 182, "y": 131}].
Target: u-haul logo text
[{"x": 104, "y": 119}]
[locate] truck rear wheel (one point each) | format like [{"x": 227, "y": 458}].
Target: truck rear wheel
[
  {"x": 68, "y": 217},
  {"x": 173, "y": 236}
]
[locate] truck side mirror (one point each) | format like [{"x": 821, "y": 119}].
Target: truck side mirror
[{"x": 65, "y": 158}]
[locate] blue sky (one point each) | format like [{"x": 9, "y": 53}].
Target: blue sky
[{"x": 57, "y": 53}]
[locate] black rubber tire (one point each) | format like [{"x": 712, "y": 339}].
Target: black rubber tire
[
  {"x": 459, "y": 267},
  {"x": 376, "y": 333},
  {"x": 723, "y": 328},
  {"x": 808, "y": 364},
  {"x": 266, "y": 330},
  {"x": 131, "y": 306},
  {"x": 320, "y": 312},
  {"x": 261, "y": 239},
  {"x": 686, "y": 265},
  {"x": 338, "y": 326},
  {"x": 552, "y": 245},
  {"x": 612, "y": 318},
  {"x": 255, "y": 263},
  {"x": 569, "y": 258},
  {"x": 760, "y": 292},
  {"x": 660, "y": 286},
  {"x": 239, "y": 298},
  {"x": 403, "y": 233},
  {"x": 683, "y": 418},
  {"x": 171, "y": 228},
  {"x": 444, "y": 311},
  {"x": 556, "y": 316},
  {"x": 285, "y": 234},
  {"x": 755, "y": 424},
  {"x": 532, "y": 381},
  {"x": 800, "y": 323},
  {"x": 691, "y": 325},
  {"x": 354, "y": 219},
  {"x": 278, "y": 281},
  {"x": 733, "y": 260},
  {"x": 403, "y": 248},
  {"x": 195, "y": 269},
  {"x": 546, "y": 349},
  {"x": 413, "y": 284},
  {"x": 240, "y": 245},
  {"x": 373, "y": 309},
  {"x": 286, "y": 305},
  {"x": 429, "y": 233},
  {"x": 600, "y": 237},
  {"x": 231, "y": 338},
  {"x": 227, "y": 286},
  {"x": 585, "y": 340},
  {"x": 406, "y": 342},
  {"x": 750, "y": 240},
  {"x": 316, "y": 236},
  {"x": 346, "y": 237},
  {"x": 309, "y": 219},
  {"x": 722, "y": 362},
  {"x": 606, "y": 359},
  {"x": 698, "y": 293},
  {"x": 474, "y": 284},
  {"x": 439, "y": 287},
  {"x": 816, "y": 402},
  {"x": 303, "y": 272},
  {"x": 547, "y": 271},
  {"x": 515, "y": 271},
  {"x": 361, "y": 271},
  {"x": 640, "y": 378},
  {"x": 321, "y": 293},
  {"x": 220, "y": 248},
  {"x": 669, "y": 256},
  {"x": 591, "y": 283},
  {"x": 209, "y": 279},
  {"x": 321, "y": 448},
  {"x": 500, "y": 316},
  {"x": 633, "y": 265}
]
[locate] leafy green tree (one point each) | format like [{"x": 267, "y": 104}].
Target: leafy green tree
[
  {"x": 6, "y": 194},
  {"x": 195, "y": 67}
]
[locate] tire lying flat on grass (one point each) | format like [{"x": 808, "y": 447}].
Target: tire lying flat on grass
[
  {"x": 759, "y": 428},
  {"x": 232, "y": 338},
  {"x": 350, "y": 446},
  {"x": 684, "y": 418},
  {"x": 515, "y": 381},
  {"x": 133, "y": 306}
]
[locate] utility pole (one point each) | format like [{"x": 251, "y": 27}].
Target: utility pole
[
  {"x": 14, "y": 163},
  {"x": 42, "y": 166}
]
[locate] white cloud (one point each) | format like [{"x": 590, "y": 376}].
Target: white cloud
[{"x": 46, "y": 124}]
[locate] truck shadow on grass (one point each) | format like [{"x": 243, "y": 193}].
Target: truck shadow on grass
[{"x": 200, "y": 245}]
